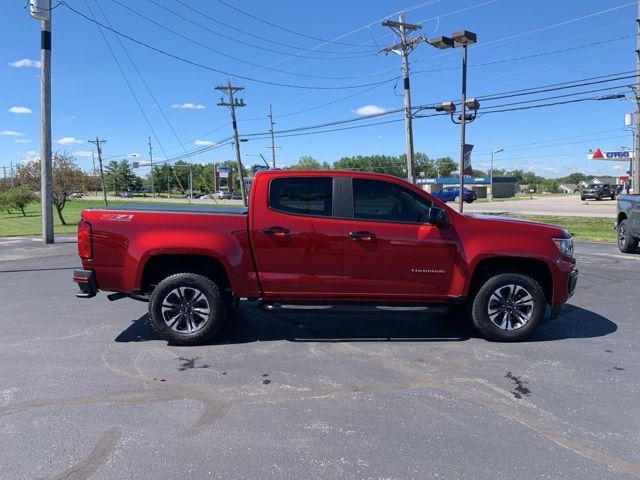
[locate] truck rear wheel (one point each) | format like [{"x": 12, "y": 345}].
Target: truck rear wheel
[
  {"x": 187, "y": 309},
  {"x": 508, "y": 307},
  {"x": 626, "y": 242}
]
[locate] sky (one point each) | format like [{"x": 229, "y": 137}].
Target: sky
[{"x": 319, "y": 63}]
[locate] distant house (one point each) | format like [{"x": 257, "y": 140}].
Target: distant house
[
  {"x": 567, "y": 188},
  {"x": 609, "y": 180}
]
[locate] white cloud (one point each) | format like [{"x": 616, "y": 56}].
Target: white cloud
[
  {"x": 204, "y": 143},
  {"x": 19, "y": 110},
  {"x": 370, "y": 110},
  {"x": 25, "y": 62},
  {"x": 68, "y": 118},
  {"x": 83, "y": 153},
  {"x": 551, "y": 169},
  {"x": 29, "y": 156},
  {"x": 23, "y": 140},
  {"x": 67, "y": 141},
  {"x": 617, "y": 167},
  {"x": 11, "y": 133},
  {"x": 188, "y": 106}
]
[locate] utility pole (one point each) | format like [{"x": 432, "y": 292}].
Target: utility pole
[
  {"x": 97, "y": 143},
  {"x": 233, "y": 103},
  {"x": 273, "y": 145},
  {"x": 404, "y": 48},
  {"x": 93, "y": 159},
  {"x": 635, "y": 170},
  {"x": 4, "y": 167},
  {"x": 11, "y": 176},
  {"x": 41, "y": 10},
  {"x": 153, "y": 187}
]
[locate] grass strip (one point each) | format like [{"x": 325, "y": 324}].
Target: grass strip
[{"x": 582, "y": 228}]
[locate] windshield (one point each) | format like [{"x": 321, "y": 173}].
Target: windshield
[{"x": 594, "y": 185}]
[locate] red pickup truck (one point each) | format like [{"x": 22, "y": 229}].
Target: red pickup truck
[{"x": 325, "y": 237}]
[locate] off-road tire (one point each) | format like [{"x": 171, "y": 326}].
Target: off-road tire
[
  {"x": 187, "y": 309},
  {"x": 519, "y": 302}
]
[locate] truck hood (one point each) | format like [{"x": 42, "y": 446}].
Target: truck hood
[{"x": 502, "y": 223}]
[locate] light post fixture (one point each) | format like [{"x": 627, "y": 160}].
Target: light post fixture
[
  {"x": 497, "y": 150},
  {"x": 463, "y": 38}
]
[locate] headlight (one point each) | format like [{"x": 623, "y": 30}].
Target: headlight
[{"x": 565, "y": 245}]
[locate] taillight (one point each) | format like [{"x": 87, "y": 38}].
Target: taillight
[{"x": 85, "y": 249}]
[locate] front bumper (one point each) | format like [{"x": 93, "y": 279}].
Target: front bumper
[
  {"x": 591, "y": 195},
  {"x": 556, "y": 309},
  {"x": 86, "y": 282}
]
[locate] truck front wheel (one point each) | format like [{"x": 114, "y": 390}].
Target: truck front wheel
[
  {"x": 508, "y": 307},
  {"x": 187, "y": 309},
  {"x": 626, "y": 242}
]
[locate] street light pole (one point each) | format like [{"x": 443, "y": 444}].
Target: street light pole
[
  {"x": 462, "y": 39},
  {"x": 497, "y": 150},
  {"x": 462, "y": 127}
]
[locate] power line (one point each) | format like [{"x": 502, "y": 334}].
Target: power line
[
  {"x": 284, "y": 28},
  {"x": 529, "y": 107},
  {"x": 610, "y": 41},
  {"x": 596, "y": 90},
  {"x": 559, "y": 24},
  {"x": 562, "y": 86},
  {"x": 368, "y": 25},
  {"x": 302, "y": 53},
  {"x": 124, "y": 75},
  {"x": 264, "y": 39},
  {"x": 150, "y": 93},
  {"x": 200, "y": 44},
  {"x": 196, "y": 64}
]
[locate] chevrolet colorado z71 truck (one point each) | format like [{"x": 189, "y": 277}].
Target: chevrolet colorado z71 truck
[
  {"x": 628, "y": 222},
  {"x": 325, "y": 237}
]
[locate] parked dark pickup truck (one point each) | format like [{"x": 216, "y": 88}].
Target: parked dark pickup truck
[
  {"x": 628, "y": 222},
  {"x": 326, "y": 237},
  {"x": 598, "y": 191}
]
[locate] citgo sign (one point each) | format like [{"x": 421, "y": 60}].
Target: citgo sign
[{"x": 621, "y": 155}]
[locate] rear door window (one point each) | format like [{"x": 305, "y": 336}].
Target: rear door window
[{"x": 302, "y": 195}]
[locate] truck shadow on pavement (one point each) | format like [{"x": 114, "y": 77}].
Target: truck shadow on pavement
[{"x": 251, "y": 324}]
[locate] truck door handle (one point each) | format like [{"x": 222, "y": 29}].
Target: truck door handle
[
  {"x": 362, "y": 235},
  {"x": 276, "y": 231}
]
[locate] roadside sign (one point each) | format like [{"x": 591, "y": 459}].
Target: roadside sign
[{"x": 612, "y": 156}]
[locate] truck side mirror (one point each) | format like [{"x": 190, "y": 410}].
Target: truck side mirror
[{"x": 437, "y": 216}]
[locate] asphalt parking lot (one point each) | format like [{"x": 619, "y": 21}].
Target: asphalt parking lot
[
  {"x": 564, "y": 205},
  {"x": 88, "y": 391}
]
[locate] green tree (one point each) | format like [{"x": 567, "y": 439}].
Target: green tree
[
  {"x": 575, "y": 178},
  {"x": 5, "y": 205},
  {"x": 446, "y": 166},
  {"x": 307, "y": 162},
  {"x": 120, "y": 176},
  {"x": 550, "y": 185},
  {"x": 423, "y": 166},
  {"x": 19, "y": 198},
  {"x": 66, "y": 179},
  {"x": 373, "y": 163}
]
